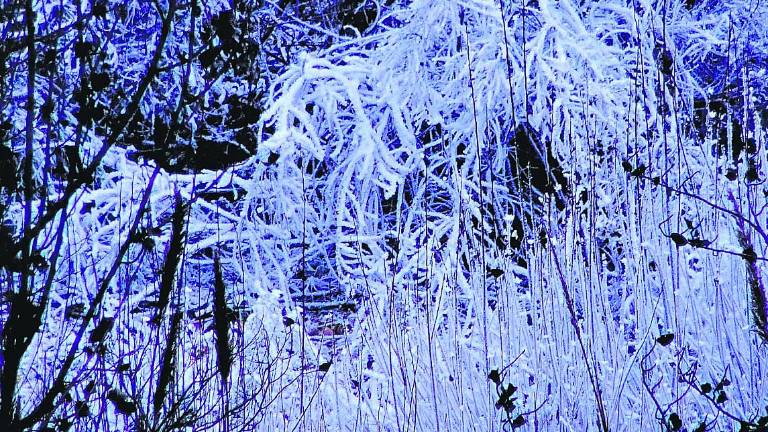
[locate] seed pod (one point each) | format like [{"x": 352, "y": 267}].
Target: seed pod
[
  {"x": 221, "y": 323},
  {"x": 172, "y": 258},
  {"x": 168, "y": 364}
]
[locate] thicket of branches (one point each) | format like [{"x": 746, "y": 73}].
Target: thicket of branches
[{"x": 418, "y": 215}]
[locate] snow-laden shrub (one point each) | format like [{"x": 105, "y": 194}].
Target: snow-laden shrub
[{"x": 388, "y": 264}]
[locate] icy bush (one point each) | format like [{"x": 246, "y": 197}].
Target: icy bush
[{"x": 472, "y": 215}]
